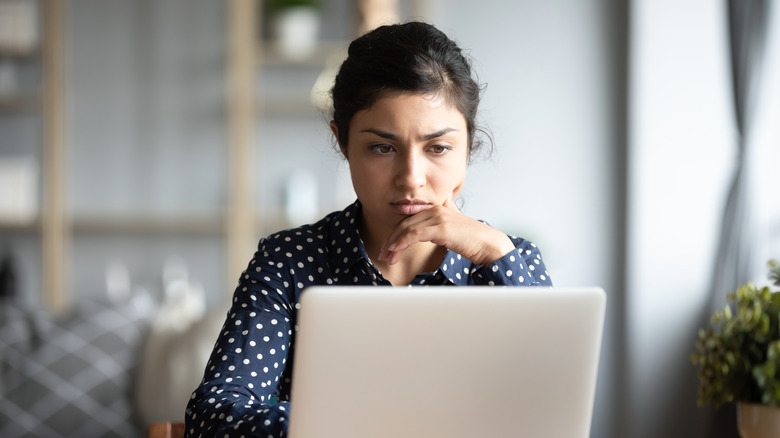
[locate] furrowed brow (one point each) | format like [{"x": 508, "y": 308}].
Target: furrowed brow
[
  {"x": 437, "y": 134},
  {"x": 382, "y": 134}
]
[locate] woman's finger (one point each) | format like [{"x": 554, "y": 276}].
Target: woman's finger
[
  {"x": 421, "y": 227},
  {"x": 450, "y": 203}
]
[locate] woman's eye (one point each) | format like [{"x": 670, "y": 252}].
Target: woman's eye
[
  {"x": 440, "y": 149},
  {"x": 382, "y": 148}
]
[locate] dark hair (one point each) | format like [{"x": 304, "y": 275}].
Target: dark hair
[{"x": 413, "y": 57}]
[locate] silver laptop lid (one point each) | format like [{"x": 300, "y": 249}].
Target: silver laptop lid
[{"x": 446, "y": 362}]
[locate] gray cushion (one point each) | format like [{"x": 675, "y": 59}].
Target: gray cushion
[{"x": 70, "y": 377}]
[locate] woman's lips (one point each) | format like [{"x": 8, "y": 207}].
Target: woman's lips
[{"x": 408, "y": 208}]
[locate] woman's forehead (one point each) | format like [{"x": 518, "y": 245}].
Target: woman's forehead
[{"x": 408, "y": 107}]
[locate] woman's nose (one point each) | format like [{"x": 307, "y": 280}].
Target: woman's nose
[{"x": 410, "y": 172}]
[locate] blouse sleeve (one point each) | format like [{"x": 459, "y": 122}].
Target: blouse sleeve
[
  {"x": 522, "y": 266},
  {"x": 240, "y": 389}
]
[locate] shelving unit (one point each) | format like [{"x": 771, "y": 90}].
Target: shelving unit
[
  {"x": 47, "y": 102},
  {"x": 59, "y": 230},
  {"x": 19, "y": 103}
]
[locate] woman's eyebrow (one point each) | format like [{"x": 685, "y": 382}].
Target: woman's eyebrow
[
  {"x": 437, "y": 134},
  {"x": 382, "y": 134},
  {"x": 394, "y": 137}
]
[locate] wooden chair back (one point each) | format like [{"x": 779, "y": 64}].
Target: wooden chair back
[{"x": 165, "y": 430}]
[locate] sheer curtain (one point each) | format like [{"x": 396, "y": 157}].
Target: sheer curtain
[
  {"x": 739, "y": 249},
  {"x": 736, "y": 257}
]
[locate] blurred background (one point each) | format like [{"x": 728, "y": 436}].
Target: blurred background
[{"x": 146, "y": 146}]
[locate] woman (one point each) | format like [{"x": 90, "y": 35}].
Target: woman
[{"x": 404, "y": 118}]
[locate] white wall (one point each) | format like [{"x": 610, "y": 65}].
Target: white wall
[
  {"x": 681, "y": 152},
  {"x": 547, "y": 104}
]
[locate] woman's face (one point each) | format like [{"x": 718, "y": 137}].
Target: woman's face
[{"x": 406, "y": 153}]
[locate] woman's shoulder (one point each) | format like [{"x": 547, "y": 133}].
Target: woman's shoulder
[{"x": 314, "y": 234}]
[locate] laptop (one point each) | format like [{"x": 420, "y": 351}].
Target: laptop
[{"x": 446, "y": 362}]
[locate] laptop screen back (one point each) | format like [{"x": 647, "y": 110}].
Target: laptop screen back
[{"x": 446, "y": 362}]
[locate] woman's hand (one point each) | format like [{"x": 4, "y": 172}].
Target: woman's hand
[{"x": 446, "y": 226}]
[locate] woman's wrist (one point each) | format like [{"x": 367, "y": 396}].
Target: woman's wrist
[{"x": 495, "y": 246}]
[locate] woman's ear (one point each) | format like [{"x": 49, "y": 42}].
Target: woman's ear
[{"x": 335, "y": 131}]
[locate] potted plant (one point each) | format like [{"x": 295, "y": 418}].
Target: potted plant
[
  {"x": 738, "y": 358},
  {"x": 295, "y": 27}
]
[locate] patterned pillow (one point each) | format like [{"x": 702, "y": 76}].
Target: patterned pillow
[{"x": 70, "y": 377}]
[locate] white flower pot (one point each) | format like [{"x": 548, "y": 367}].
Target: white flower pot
[
  {"x": 758, "y": 421},
  {"x": 296, "y": 31}
]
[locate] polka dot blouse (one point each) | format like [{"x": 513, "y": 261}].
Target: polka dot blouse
[{"x": 246, "y": 387}]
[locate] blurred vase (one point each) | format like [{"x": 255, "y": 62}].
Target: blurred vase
[
  {"x": 758, "y": 421},
  {"x": 296, "y": 30}
]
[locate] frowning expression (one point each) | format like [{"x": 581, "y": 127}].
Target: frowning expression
[{"x": 406, "y": 153}]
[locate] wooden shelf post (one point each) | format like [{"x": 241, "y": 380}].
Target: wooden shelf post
[
  {"x": 240, "y": 221},
  {"x": 54, "y": 221}
]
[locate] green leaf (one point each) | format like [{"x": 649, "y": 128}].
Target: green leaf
[{"x": 738, "y": 357}]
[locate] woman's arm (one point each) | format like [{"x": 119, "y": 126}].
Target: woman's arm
[
  {"x": 446, "y": 226},
  {"x": 239, "y": 393},
  {"x": 522, "y": 266},
  {"x": 503, "y": 260}
]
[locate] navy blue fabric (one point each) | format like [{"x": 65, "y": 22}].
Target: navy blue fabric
[{"x": 246, "y": 386}]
